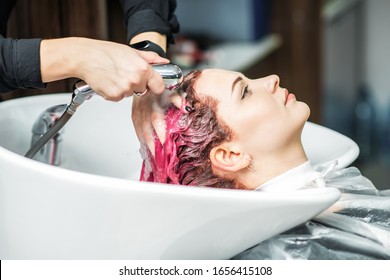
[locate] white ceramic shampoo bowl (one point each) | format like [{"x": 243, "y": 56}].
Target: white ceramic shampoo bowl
[{"x": 93, "y": 206}]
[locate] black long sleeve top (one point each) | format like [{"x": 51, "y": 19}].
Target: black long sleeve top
[
  {"x": 20, "y": 58},
  {"x": 151, "y": 15}
]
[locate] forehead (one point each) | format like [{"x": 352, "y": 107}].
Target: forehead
[{"x": 215, "y": 81}]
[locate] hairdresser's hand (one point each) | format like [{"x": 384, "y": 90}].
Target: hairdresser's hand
[
  {"x": 148, "y": 110},
  {"x": 148, "y": 117},
  {"x": 112, "y": 70}
]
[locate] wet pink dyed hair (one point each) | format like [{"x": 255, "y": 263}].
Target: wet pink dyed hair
[{"x": 191, "y": 132}]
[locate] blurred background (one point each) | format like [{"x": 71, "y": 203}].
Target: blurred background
[{"x": 333, "y": 54}]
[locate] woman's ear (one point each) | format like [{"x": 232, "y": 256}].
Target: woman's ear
[{"x": 229, "y": 157}]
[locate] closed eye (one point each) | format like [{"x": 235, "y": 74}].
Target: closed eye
[{"x": 245, "y": 92}]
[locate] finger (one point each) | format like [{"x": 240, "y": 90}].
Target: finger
[
  {"x": 148, "y": 137},
  {"x": 176, "y": 100},
  {"x": 136, "y": 117},
  {"x": 156, "y": 83},
  {"x": 158, "y": 124},
  {"x": 141, "y": 92},
  {"x": 109, "y": 90},
  {"x": 152, "y": 57}
]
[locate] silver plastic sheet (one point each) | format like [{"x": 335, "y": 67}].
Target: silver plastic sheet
[{"x": 357, "y": 227}]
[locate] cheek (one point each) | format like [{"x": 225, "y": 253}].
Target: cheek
[
  {"x": 264, "y": 124},
  {"x": 272, "y": 128},
  {"x": 268, "y": 128},
  {"x": 265, "y": 121}
]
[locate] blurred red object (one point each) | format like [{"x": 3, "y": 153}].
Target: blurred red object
[{"x": 185, "y": 52}]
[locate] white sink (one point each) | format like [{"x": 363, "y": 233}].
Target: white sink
[
  {"x": 93, "y": 206},
  {"x": 323, "y": 145}
]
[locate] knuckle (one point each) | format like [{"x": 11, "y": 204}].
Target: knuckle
[
  {"x": 144, "y": 67},
  {"x": 115, "y": 94}
]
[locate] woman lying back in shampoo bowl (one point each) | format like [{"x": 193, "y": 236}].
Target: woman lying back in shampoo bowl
[{"x": 232, "y": 132}]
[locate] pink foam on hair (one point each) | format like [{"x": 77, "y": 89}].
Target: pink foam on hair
[{"x": 161, "y": 167}]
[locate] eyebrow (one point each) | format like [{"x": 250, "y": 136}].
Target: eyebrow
[{"x": 235, "y": 82}]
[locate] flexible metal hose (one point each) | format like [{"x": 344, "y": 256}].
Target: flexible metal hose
[{"x": 48, "y": 135}]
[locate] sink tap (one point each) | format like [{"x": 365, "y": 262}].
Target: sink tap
[{"x": 51, "y": 152}]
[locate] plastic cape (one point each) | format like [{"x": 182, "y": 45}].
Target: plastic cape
[{"x": 357, "y": 227}]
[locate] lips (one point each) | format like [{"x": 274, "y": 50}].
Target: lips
[{"x": 288, "y": 96}]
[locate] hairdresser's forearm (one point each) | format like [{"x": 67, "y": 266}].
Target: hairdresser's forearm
[
  {"x": 150, "y": 15},
  {"x": 56, "y": 59},
  {"x": 68, "y": 57},
  {"x": 112, "y": 70}
]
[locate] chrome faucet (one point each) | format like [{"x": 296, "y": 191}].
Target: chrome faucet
[{"x": 51, "y": 152}]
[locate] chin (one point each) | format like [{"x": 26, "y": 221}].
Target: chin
[{"x": 305, "y": 109}]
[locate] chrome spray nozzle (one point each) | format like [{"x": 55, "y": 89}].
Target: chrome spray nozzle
[
  {"x": 171, "y": 74},
  {"x": 82, "y": 91}
]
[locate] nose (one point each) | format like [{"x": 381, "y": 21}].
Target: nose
[{"x": 272, "y": 83}]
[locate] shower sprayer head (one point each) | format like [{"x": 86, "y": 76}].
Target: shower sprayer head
[{"x": 171, "y": 74}]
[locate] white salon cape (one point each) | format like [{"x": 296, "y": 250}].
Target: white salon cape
[{"x": 357, "y": 227}]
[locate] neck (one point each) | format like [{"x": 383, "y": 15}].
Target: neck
[{"x": 270, "y": 165}]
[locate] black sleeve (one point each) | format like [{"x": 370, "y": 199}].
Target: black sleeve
[
  {"x": 19, "y": 64},
  {"x": 150, "y": 15}
]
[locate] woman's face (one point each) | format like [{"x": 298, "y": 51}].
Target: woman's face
[{"x": 264, "y": 116}]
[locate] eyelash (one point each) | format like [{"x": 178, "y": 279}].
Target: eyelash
[{"x": 245, "y": 92}]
